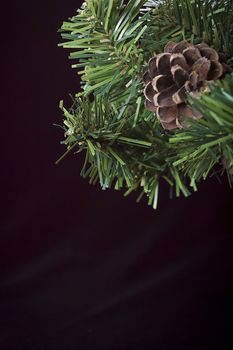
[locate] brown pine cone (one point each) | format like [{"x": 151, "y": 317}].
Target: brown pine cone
[{"x": 182, "y": 68}]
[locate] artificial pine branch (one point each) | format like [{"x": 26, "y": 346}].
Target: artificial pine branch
[
  {"x": 125, "y": 145},
  {"x": 106, "y": 34},
  {"x": 210, "y": 140}
]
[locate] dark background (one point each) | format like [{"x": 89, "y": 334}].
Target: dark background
[{"x": 86, "y": 269}]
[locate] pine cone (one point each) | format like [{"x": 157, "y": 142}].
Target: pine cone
[{"x": 182, "y": 68}]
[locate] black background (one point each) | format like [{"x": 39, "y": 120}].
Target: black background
[{"x": 86, "y": 269}]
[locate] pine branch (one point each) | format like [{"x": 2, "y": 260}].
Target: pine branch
[
  {"x": 125, "y": 146},
  {"x": 208, "y": 21},
  {"x": 200, "y": 21},
  {"x": 209, "y": 141},
  {"x": 106, "y": 34},
  {"x": 140, "y": 156}
]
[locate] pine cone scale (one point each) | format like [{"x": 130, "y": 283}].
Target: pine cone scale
[
  {"x": 201, "y": 67},
  {"x": 180, "y": 95},
  {"x": 153, "y": 71},
  {"x": 216, "y": 70},
  {"x": 163, "y": 61},
  {"x": 180, "y": 76},
  {"x": 209, "y": 53},
  {"x": 169, "y": 47},
  {"x": 167, "y": 114},
  {"x": 193, "y": 78},
  {"x": 191, "y": 55},
  {"x": 161, "y": 82},
  {"x": 165, "y": 97},
  {"x": 180, "y": 47},
  {"x": 178, "y": 59},
  {"x": 146, "y": 78},
  {"x": 149, "y": 91}
]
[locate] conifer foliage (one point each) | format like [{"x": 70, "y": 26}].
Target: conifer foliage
[{"x": 110, "y": 44}]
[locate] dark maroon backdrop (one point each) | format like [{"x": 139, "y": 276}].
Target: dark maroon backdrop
[{"x": 86, "y": 269}]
